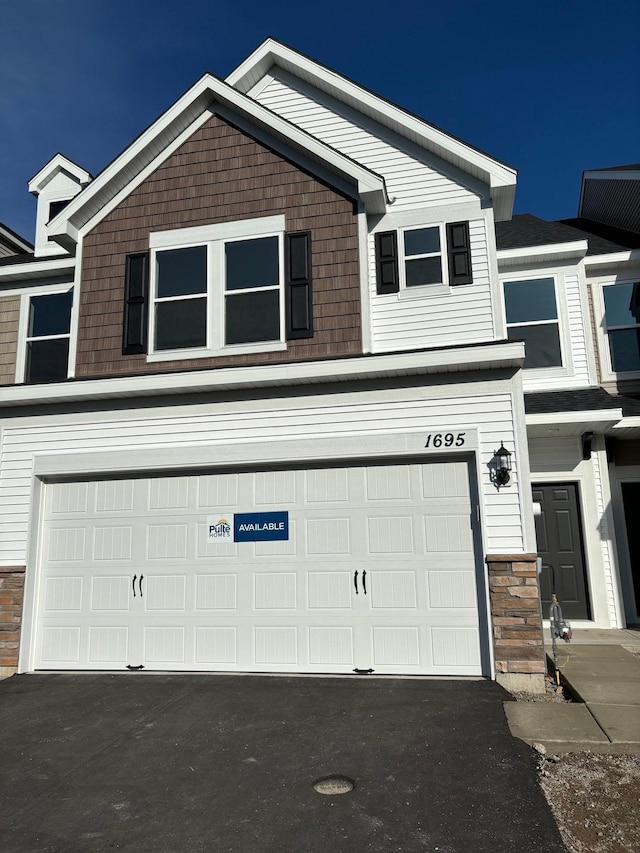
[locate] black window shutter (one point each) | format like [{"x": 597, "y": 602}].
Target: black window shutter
[
  {"x": 136, "y": 286},
  {"x": 459, "y": 252},
  {"x": 299, "y": 298},
  {"x": 387, "y": 279}
]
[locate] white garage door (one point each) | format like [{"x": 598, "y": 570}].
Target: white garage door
[{"x": 378, "y": 573}]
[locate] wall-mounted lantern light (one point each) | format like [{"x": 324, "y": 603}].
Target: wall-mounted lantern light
[{"x": 503, "y": 465}]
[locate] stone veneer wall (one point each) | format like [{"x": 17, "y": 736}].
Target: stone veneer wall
[
  {"x": 516, "y": 616},
  {"x": 11, "y": 592}
]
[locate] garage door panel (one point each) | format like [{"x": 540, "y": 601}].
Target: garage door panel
[
  {"x": 63, "y": 593},
  {"x": 393, "y": 589},
  {"x": 216, "y": 592},
  {"x": 167, "y": 542},
  {"x": 284, "y": 605},
  {"x": 331, "y": 646},
  {"x": 329, "y": 590},
  {"x": 111, "y": 592},
  {"x": 216, "y": 646},
  {"x": 452, "y": 590},
  {"x": 109, "y": 645},
  {"x": 164, "y": 592}
]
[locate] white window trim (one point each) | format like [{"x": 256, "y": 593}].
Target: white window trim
[
  {"x": 23, "y": 325},
  {"x": 214, "y": 237},
  {"x": 606, "y": 365},
  {"x": 421, "y": 290},
  {"x": 562, "y": 320}
]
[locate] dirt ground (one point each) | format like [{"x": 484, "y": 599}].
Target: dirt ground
[{"x": 594, "y": 798}]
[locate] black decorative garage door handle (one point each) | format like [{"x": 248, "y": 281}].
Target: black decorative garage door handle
[{"x": 133, "y": 584}]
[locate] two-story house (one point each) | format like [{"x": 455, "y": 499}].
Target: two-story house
[
  {"x": 571, "y": 291},
  {"x": 265, "y": 411}
]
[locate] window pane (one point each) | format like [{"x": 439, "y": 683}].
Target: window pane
[
  {"x": 252, "y": 263},
  {"x": 47, "y": 360},
  {"x": 422, "y": 241},
  {"x": 180, "y": 324},
  {"x": 622, "y": 304},
  {"x": 252, "y": 317},
  {"x": 625, "y": 349},
  {"x": 542, "y": 344},
  {"x": 50, "y": 315},
  {"x": 424, "y": 271},
  {"x": 182, "y": 271},
  {"x": 527, "y": 301}
]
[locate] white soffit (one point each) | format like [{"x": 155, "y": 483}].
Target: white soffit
[
  {"x": 36, "y": 269},
  {"x": 627, "y": 428},
  {"x": 498, "y": 176},
  {"x": 150, "y": 146},
  {"x": 556, "y": 424},
  {"x": 504, "y": 355},
  {"x": 550, "y": 253},
  {"x": 612, "y": 261}
]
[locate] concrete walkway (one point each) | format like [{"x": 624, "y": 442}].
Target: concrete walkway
[{"x": 602, "y": 672}]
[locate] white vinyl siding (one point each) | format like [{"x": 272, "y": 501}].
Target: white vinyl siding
[
  {"x": 372, "y": 413},
  {"x": 410, "y": 180},
  {"x": 457, "y": 315}
]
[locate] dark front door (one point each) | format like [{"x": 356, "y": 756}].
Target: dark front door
[
  {"x": 560, "y": 544},
  {"x": 631, "y": 502}
]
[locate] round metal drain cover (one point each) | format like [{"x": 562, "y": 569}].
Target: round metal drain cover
[{"x": 331, "y": 785}]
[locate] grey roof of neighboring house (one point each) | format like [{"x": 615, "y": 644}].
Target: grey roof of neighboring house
[
  {"x": 583, "y": 400},
  {"x": 628, "y": 239},
  {"x": 629, "y": 168},
  {"x": 526, "y": 230}
]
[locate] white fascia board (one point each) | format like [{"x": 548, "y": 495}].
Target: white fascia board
[
  {"x": 603, "y": 418},
  {"x": 549, "y": 253},
  {"x": 58, "y": 162},
  {"x": 208, "y": 91},
  {"x": 507, "y": 354},
  {"x": 498, "y": 176},
  {"x": 37, "y": 269},
  {"x": 613, "y": 259}
]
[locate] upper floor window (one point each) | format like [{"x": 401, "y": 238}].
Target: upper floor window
[
  {"x": 240, "y": 287},
  {"x": 622, "y": 324},
  {"x": 422, "y": 256},
  {"x": 532, "y": 317},
  {"x": 220, "y": 294},
  {"x": 47, "y": 337},
  {"x": 419, "y": 256}
]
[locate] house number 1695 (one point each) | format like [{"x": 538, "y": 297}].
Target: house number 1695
[{"x": 445, "y": 439}]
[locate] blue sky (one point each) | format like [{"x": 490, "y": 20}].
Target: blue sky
[{"x": 551, "y": 88}]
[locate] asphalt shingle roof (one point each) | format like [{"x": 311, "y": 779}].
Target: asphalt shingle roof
[
  {"x": 526, "y": 230},
  {"x": 583, "y": 400}
]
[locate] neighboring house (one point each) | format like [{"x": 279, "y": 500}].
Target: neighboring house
[
  {"x": 573, "y": 297},
  {"x": 262, "y": 369},
  {"x": 11, "y": 244}
]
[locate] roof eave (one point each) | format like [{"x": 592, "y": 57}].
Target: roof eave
[
  {"x": 500, "y": 177},
  {"x": 205, "y": 94},
  {"x": 544, "y": 253}
]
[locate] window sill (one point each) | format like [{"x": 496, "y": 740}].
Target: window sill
[
  {"x": 203, "y": 352},
  {"x": 422, "y": 290}
]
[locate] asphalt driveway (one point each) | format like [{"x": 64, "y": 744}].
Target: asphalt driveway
[{"x": 182, "y": 763}]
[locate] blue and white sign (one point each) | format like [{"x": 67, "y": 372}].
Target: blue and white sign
[{"x": 260, "y": 526}]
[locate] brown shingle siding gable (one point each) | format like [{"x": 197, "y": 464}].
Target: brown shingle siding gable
[{"x": 221, "y": 175}]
